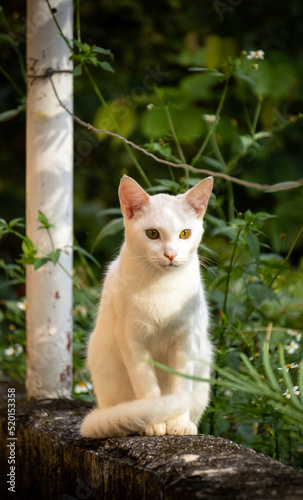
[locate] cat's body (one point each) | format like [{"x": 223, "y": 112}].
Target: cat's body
[{"x": 152, "y": 308}]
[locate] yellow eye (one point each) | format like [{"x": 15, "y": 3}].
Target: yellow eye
[
  {"x": 153, "y": 234},
  {"x": 185, "y": 234}
]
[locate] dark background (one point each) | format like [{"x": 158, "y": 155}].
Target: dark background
[{"x": 166, "y": 37}]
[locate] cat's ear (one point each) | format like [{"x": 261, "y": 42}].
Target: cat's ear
[
  {"x": 198, "y": 196},
  {"x": 132, "y": 197}
]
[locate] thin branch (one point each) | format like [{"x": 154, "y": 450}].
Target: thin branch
[
  {"x": 284, "y": 186},
  {"x": 59, "y": 27}
]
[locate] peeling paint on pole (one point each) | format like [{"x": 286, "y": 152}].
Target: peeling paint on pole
[{"x": 49, "y": 188}]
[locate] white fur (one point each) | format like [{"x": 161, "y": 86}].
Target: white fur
[{"x": 152, "y": 308}]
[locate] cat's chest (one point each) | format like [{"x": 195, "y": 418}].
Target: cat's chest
[{"x": 166, "y": 302}]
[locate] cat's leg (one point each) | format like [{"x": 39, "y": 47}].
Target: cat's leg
[
  {"x": 110, "y": 379},
  {"x": 187, "y": 423},
  {"x": 136, "y": 355},
  {"x": 155, "y": 430},
  {"x": 142, "y": 375},
  {"x": 181, "y": 425},
  {"x": 111, "y": 385}
]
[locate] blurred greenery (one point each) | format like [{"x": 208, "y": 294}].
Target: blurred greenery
[{"x": 172, "y": 76}]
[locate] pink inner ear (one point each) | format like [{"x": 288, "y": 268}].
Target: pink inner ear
[
  {"x": 132, "y": 197},
  {"x": 198, "y": 196}
]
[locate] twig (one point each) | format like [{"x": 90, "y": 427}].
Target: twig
[{"x": 270, "y": 188}]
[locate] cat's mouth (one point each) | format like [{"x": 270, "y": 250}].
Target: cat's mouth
[
  {"x": 170, "y": 265},
  {"x": 167, "y": 265}
]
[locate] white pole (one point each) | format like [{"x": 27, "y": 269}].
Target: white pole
[{"x": 49, "y": 162}]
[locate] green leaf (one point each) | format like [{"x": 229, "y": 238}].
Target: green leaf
[
  {"x": 87, "y": 254},
  {"x": 41, "y": 261},
  {"x": 163, "y": 149},
  {"x": 252, "y": 371},
  {"x": 78, "y": 44},
  {"x": 268, "y": 370},
  {"x": 237, "y": 273},
  {"x": 246, "y": 78},
  {"x": 199, "y": 86},
  {"x": 17, "y": 222},
  {"x": 161, "y": 92},
  {"x": 100, "y": 50},
  {"x": 220, "y": 223},
  {"x": 113, "y": 227},
  {"x": 7, "y": 38},
  {"x": 78, "y": 70},
  {"x": 214, "y": 72},
  {"x": 211, "y": 162},
  {"x": 106, "y": 66},
  {"x": 263, "y": 216},
  {"x": 246, "y": 142},
  {"x": 83, "y": 47},
  {"x": 28, "y": 247},
  {"x": 8, "y": 115},
  {"x": 94, "y": 60},
  {"x": 86, "y": 47},
  {"x": 288, "y": 382},
  {"x": 187, "y": 123},
  {"x": 109, "y": 211},
  {"x": 168, "y": 184},
  {"x": 279, "y": 185},
  {"x": 44, "y": 221},
  {"x": 55, "y": 256},
  {"x": 258, "y": 293},
  {"x": 254, "y": 246}
]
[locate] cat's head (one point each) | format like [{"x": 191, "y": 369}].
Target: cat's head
[{"x": 162, "y": 229}]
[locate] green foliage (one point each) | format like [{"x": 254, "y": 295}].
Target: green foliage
[{"x": 89, "y": 55}]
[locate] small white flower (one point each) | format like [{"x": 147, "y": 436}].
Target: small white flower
[
  {"x": 228, "y": 393},
  {"x": 82, "y": 310},
  {"x": 149, "y": 107},
  {"x": 13, "y": 350},
  {"x": 295, "y": 391},
  {"x": 289, "y": 366},
  {"x": 292, "y": 347},
  {"x": 294, "y": 333},
  {"x": 81, "y": 387},
  {"x": 256, "y": 54},
  {"x": 10, "y": 351},
  {"x": 18, "y": 349},
  {"x": 21, "y": 306},
  {"x": 210, "y": 119}
]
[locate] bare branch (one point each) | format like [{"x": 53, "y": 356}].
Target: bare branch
[{"x": 269, "y": 188}]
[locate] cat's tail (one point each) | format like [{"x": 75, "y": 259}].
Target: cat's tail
[{"x": 135, "y": 416}]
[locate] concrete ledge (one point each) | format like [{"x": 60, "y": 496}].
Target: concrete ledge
[{"x": 53, "y": 462}]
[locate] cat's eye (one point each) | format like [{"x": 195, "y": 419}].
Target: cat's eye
[
  {"x": 153, "y": 234},
  {"x": 185, "y": 234}
]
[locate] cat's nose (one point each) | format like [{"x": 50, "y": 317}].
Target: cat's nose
[{"x": 170, "y": 256}]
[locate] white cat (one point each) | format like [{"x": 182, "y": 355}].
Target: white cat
[{"x": 152, "y": 308}]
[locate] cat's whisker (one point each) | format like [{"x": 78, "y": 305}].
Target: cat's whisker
[{"x": 148, "y": 269}]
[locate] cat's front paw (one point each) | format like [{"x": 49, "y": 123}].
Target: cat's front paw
[
  {"x": 155, "y": 430},
  {"x": 179, "y": 427}
]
